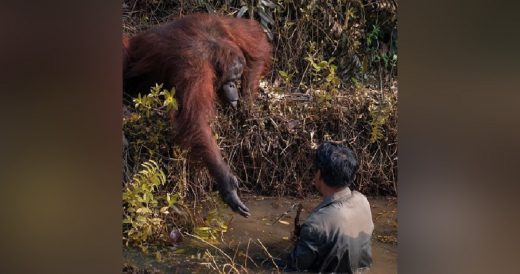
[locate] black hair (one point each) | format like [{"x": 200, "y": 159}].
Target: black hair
[{"x": 337, "y": 164}]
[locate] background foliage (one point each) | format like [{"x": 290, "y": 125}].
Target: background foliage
[{"x": 360, "y": 34}]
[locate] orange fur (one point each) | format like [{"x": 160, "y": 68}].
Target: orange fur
[{"x": 193, "y": 54}]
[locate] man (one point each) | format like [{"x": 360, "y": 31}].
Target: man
[{"x": 336, "y": 235}]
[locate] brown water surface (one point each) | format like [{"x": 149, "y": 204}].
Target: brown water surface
[{"x": 246, "y": 238}]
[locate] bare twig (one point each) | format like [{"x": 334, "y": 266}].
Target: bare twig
[{"x": 268, "y": 254}]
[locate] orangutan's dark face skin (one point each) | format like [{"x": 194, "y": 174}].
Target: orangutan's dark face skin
[
  {"x": 232, "y": 75},
  {"x": 230, "y": 93}
]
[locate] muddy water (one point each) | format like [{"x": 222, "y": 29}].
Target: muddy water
[{"x": 246, "y": 239}]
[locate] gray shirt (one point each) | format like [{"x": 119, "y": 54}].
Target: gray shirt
[{"x": 336, "y": 235}]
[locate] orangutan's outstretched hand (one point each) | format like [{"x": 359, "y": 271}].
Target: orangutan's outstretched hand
[{"x": 228, "y": 191}]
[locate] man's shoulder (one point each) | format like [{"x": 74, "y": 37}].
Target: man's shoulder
[
  {"x": 357, "y": 202},
  {"x": 354, "y": 201},
  {"x": 360, "y": 198}
]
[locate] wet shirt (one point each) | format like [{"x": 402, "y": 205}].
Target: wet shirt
[{"x": 336, "y": 235}]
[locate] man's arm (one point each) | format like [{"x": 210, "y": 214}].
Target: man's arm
[{"x": 306, "y": 249}]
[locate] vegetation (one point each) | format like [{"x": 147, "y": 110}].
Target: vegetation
[
  {"x": 142, "y": 214},
  {"x": 154, "y": 202}
]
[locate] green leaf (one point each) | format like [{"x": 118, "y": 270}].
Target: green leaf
[
  {"x": 172, "y": 199},
  {"x": 283, "y": 73},
  {"x": 322, "y": 64},
  {"x": 158, "y": 256},
  {"x": 144, "y": 210},
  {"x": 180, "y": 251},
  {"x": 156, "y": 221}
]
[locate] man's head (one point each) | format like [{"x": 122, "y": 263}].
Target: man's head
[{"x": 336, "y": 164}]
